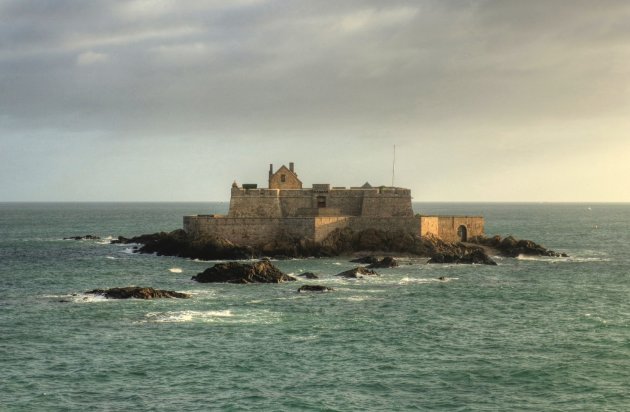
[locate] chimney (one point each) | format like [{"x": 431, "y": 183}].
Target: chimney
[{"x": 291, "y": 167}]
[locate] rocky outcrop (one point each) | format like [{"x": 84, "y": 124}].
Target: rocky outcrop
[
  {"x": 512, "y": 247},
  {"x": 235, "y": 272},
  {"x": 308, "y": 275},
  {"x": 137, "y": 293},
  {"x": 314, "y": 288},
  {"x": 478, "y": 257},
  {"x": 339, "y": 242},
  {"x": 178, "y": 243},
  {"x": 357, "y": 273},
  {"x": 84, "y": 237},
  {"x": 386, "y": 262},
  {"x": 366, "y": 260}
]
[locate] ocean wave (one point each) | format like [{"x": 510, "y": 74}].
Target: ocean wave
[
  {"x": 569, "y": 259},
  {"x": 407, "y": 280},
  {"x": 175, "y": 270},
  {"x": 77, "y": 298},
  {"x": 188, "y": 316},
  {"x": 211, "y": 316},
  {"x": 105, "y": 240}
]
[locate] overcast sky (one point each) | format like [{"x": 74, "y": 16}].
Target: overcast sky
[{"x": 171, "y": 100}]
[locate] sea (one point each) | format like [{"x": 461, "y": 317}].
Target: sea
[{"x": 531, "y": 334}]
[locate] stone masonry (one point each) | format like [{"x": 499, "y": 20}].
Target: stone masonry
[{"x": 258, "y": 216}]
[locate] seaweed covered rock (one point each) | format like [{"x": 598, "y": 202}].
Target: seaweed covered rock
[
  {"x": 137, "y": 293},
  {"x": 357, "y": 273},
  {"x": 234, "y": 272}
]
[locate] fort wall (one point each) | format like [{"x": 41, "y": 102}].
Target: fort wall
[
  {"x": 250, "y": 231},
  {"x": 452, "y": 228},
  {"x": 260, "y": 216},
  {"x": 263, "y": 203}
]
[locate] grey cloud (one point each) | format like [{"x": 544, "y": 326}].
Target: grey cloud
[
  {"x": 312, "y": 62},
  {"x": 450, "y": 72}
]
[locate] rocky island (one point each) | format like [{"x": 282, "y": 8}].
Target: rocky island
[{"x": 286, "y": 220}]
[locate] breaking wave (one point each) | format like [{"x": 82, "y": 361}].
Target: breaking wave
[{"x": 212, "y": 316}]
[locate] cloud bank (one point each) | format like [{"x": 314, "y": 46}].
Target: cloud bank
[{"x": 485, "y": 100}]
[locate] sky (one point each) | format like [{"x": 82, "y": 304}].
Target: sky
[{"x": 165, "y": 100}]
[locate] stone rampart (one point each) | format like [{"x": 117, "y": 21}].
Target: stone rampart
[
  {"x": 249, "y": 231},
  {"x": 452, "y": 228}
]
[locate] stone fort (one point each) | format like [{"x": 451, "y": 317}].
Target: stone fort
[{"x": 258, "y": 216}]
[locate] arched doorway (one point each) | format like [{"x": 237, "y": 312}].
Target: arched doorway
[{"x": 462, "y": 233}]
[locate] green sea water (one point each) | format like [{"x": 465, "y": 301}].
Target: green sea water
[{"x": 529, "y": 334}]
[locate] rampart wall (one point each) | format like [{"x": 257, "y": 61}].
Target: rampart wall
[
  {"x": 275, "y": 203},
  {"x": 249, "y": 231},
  {"x": 259, "y": 216},
  {"x": 446, "y": 227}
]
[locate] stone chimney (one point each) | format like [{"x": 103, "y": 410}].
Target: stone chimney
[{"x": 291, "y": 167}]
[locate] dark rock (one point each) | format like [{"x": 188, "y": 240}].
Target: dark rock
[
  {"x": 314, "y": 288},
  {"x": 386, "y": 262},
  {"x": 178, "y": 243},
  {"x": 366, "y": 260},
  {"x": 235, "y": 272},
  {"x": 137, "y": 293},
  {"x": 357, "y": 273},
  {"x": 442, "y": 278},
  {"x": 86, "y": 237},
  {"x": 339, "y": 242},
  {"x": 308, "y": 275},
  {"x": 512, "y": 247},
  {"x": 476, "y": 256}
]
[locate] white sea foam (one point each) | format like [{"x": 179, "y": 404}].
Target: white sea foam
[
  {"x": 105, "y": 240},
  {"x": 188, "y": 316},
  {"x": 128, "y": 250},
  {"x": 555, "y": 259},
  {"x": 211, "y": 316},
  {"x": 78, "y": 298},
  {"x": 356, "y": 298},
  {"x": 175, "y": 270}
]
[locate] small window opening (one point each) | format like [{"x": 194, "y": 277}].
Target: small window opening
[
  {"x": 283, "y": 178},
  {"x": 321, "y": 201}
]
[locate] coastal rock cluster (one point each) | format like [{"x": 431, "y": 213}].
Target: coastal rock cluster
[
  {"x": 339, "y": 242},
  {"x": 178, "y": 243},
  {"x": 235, "y": 272},
  {"x": 357, "y": 273},
  {"x": 512, "y": 247},
  {"x": 137, "y": 293},
  {"x": 476, "y": 256}
]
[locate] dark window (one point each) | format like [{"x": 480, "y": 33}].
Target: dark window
[
  {"x": 321, "y": 201},
  {"x": 283, "y": 178}
]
